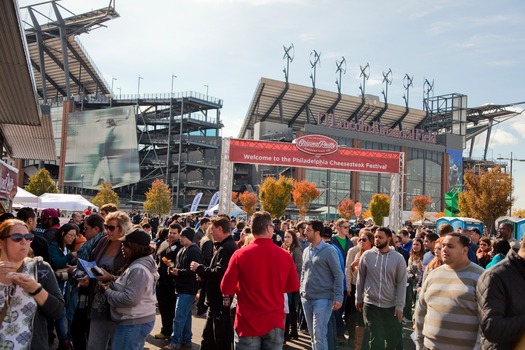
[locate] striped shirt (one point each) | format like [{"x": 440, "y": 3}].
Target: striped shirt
[{"x": 446, "y": 313}]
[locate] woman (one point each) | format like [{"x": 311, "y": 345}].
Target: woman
[
  {"x": 366, "y": 239},
  {"x": 483, "y": 252},
  {"x": 414, "y": 272},
  {"x": 291, "y": 245},
  {"x": 132, "y": 295},
  {"x": 108, "y": 256},
  {"x": 245, "y": 231},
  {"x": 27, "y": 286},
  {"x": 62, "y": 260},
  {"x": 500, "y": 250}
]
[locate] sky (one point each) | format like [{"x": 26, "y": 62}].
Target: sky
[{"x": 224, "y": 47}]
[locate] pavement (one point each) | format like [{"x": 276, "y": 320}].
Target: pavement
[{"x": 302, "y": 343}]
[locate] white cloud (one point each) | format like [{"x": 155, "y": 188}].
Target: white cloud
[
  {"x": 503, "y": 137},
  {"x": 438, "y": 28}
]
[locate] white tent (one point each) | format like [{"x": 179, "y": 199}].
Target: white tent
[
  {"x": 25, "y": 199},
  {"x": 64, "y": 201},
  {"x": 235, "y": 210}
]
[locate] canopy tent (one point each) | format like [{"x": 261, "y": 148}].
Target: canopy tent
[
  {"x": 235, "y": 210},
  {"x": 64, "y": 201},
  {"x": 25, "y": 199}
]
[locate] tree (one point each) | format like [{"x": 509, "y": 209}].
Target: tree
[
  {"x": 346, "y": 208},
  {"x": 367, "y": 214},
  {"x": 275, "y": 195},
  {"x": 420, "y": 205},
  {"x": 379, "y": 207},
  {"x": 519, "y": 212},
  {"x": 249, "y": 202},
  {"x": 106, "y": 195},
  {"x": 158, "y": 198},
  {"x": 41, "y": 183},
  {"x": 304, "y": 193},
  {"x": 486, "y": 197}
]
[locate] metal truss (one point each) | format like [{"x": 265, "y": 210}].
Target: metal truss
[
  {"x": 396, "y": 195},
  {"x": 226, "y": 183}
]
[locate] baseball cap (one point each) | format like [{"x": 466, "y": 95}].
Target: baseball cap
[
  {"x": 137, "y": 236},
  {"x": 49, "y": 213}
]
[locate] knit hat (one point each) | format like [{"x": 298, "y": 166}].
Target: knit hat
[
  {"x": 188, "y": 233},
  {"x": 137, "y": 236}
]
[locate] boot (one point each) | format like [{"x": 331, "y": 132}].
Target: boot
[{"x": 359, "y": 334}]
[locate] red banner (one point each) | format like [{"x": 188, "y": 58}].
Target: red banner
[{"x": 287, "y": 154}]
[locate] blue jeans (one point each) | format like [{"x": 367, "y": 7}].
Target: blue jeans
[
  {"x": 182, "y": 321},
  {"x": 273, "y": 340},
  {"x": 317, "y": 313},
  {"x": 131, "y": 337}
]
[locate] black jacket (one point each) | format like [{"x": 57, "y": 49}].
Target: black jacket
[
  {"x": 500, "y": 292},
  {"x": 214, "y": 273},
  {"x": 348, "y": 245},
  {"x": 186, "y": 280}
]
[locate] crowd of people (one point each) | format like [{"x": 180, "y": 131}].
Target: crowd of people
[{"x": 97, "y": 281}]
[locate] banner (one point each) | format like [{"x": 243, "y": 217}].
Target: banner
[
  {"x": 214, "y": 200},
  {"x": 8, "y": 181},
  {"x": 304, "y": 154},
  {"x": 196, "y": 202}
]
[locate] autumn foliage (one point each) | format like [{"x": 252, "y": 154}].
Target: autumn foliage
[
  {"x": 249, "y": 202},
  {"x": 158, "y": 198},
  {"x": 486, "y": 197},
  {"x": 346, "y": 208},
  {"x": 304, "y": 193},
  {"x": 41, "y": 183},
  {"x": 106, "y": 195},
  {"x": 274, "y": 195},
  {"x": 420, "y": 205},
  {"x": 379, "y": 207}
]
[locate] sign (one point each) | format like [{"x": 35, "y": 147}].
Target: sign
[
  {"x": 8, "y": 181},
  {"x": 289, "y": 154},
  {"x": 316, "y": 144},
  {"x": 358, "y": 208},
  {"x": 214, "y": 200},
  {"x": 376, "y": 128},
  {"x": 196, "y": 201}
]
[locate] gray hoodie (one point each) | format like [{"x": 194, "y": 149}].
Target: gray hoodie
[
  {"x": 132, "y": 296},
  {"x": 382, "y": 279}
]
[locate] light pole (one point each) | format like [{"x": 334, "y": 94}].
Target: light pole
[
  {"x": 207, "y": 89},
  {"x": 511, "y": 159},
  {"x": 138, "y": 88},
  {"x": 111, "y": 99},
  {"x": 168, "y": 154}
]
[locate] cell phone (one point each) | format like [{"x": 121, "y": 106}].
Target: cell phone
[{"x": 97, "y": 271}]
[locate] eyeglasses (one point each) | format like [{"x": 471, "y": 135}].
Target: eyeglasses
[
  {"x": 363, "y": 240},
  {"x": 345, "y": 227},
  {"x": 17, "y": 237},
  {"x": 110, "y": 228}
]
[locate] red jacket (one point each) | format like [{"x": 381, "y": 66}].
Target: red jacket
[{"x": 260, "y": 274}]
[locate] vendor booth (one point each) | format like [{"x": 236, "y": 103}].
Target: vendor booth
[
  {"x": 25, "y": 199},
  {"x": 73, "y": 202}
]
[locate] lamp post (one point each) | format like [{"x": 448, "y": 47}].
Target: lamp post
[
  {"x": 511, "y": 159},
  {"x": 207, "y": 89},
  {"x": 138, "y": 88},
  {"x": 111, "y": 99}
]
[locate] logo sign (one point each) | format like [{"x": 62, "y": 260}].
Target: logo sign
[
  {"x": 358, "y": 208},
  {"x": 316, "y": 144}
]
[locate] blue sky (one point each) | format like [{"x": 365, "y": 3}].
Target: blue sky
[{"x": 476, "y": 48}]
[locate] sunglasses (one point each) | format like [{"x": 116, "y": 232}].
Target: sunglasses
[
  {"x": 345, "y": 226},
  {"x": 17, "y": 237},
  {"x": 110, "y": 228},
  {"x": 363, "y": 240}
]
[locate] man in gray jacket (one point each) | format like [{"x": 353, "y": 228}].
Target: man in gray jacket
[
  {"x": 321, "y": 284},
  {"x": 381, "y": 290}
]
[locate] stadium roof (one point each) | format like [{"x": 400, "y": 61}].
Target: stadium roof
[
  {"x": 25, "y": 134},
  {"x": 297, "y": 100}
]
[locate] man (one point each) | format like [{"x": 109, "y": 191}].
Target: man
[
  {"x": 446, "y": 314},
  {"x": 471, "y": 251},
  {"x": 40, "y": 245},
  {"x": 147, "y": 228},
  {"x": 301, "y": 235},
  {"x": 107, "y": 208},
  {"x": 381, "y": 291},
  {"x": 50, "y": 223},
  {"x": 218, "y": 329},
  {"x": 204, "y": 223},
  {"x": 76, "y": 218},
  {"x": 500, "y": 292},
  {"x": 321, "y": 284},
  {"x": 186, "y": 286},
  {"x": 429, "y": 242},
  {"x": 278, "y": 234},
  {"x": 406, "y": 241},
  {"x": 505, "y": 232},
  {"x": 341, "y": 241},
  {"x": 475, "y": 236},
  {"x": 260, "y": 287},
  {"x": 165, "y": 290},
  {"x": 236, "y": 233},
  {"x": 445, "y": 229},
  {"x": 154, "y": 222}
]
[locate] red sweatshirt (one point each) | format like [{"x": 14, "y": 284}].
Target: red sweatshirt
[{"x": 260, "y": 274}]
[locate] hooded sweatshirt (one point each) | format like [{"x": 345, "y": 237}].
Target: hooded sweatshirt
[
  {"x": 382, "y": 279},
  {"x": 132, "y": 296}
]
